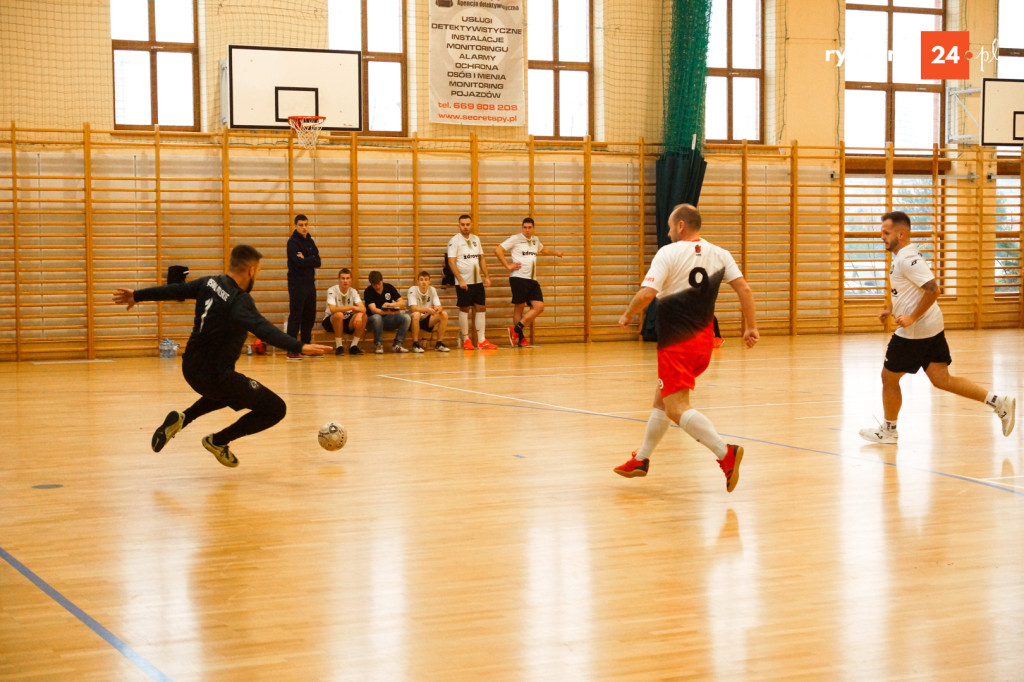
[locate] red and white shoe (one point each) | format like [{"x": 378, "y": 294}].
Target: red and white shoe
[
  {"x": 731, "y": 466},
  {"x": 633, "y": 467},
  {"x": 486, "y": 345}
]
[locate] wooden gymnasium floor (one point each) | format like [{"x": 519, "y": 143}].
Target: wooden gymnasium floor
[{"x": 472, "y": 529}]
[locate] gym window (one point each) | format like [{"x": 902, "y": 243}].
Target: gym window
[
  {"x": 156, "y": 64},
  {"x": 735, "y": 81},
  {"x": 377, "y": 29},
  {"x": 560, "y": 81},
  {"x": 864, "y": 255},
  {"x": 886, "y": 100},
  {"x": 1010, "y": 39}
]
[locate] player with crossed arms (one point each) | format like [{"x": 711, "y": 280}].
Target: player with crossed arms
[{"x": 685, "y": 277}]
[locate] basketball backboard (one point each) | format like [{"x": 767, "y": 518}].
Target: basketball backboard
[
  {"x": 269, "y": 84},
  {"x": 1002, "y": 112}
]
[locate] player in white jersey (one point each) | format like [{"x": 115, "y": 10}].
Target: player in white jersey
[
  {"x": 427, "y": 313},
  {"x": 466, "y": 259},
  {"x": 345, "y": 314},
  {"x": 522, "y": 250},
  {"x": 920, "y": 339},
  {"x": 685, "y": 276}
]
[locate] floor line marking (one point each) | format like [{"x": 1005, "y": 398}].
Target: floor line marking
[
  {"x": 496, "y": 395},
  {"x": 113, "y": 640}
]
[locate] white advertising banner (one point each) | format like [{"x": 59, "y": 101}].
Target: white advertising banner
[{"x": 476, "y": 62}]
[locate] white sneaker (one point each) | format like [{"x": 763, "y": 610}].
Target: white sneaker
[
  {"x": 378, "y": 348},
  {"x": 1006, "y": 408},
  {"x": 399, "y": 349},
  {"x": 879, "y": 434},
  {"x": 416, "y": 347}
]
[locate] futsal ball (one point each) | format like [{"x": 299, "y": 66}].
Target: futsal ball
[
  {"x": 332, "y": 436},
  {"x": 259, "y": 348}
]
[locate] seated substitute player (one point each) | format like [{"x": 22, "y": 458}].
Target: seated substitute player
[
  {"x": 523, "y": 250},
  {"x": 920, "y": 338},
  {"x": 345, "y": 314},
  {"x": 685, "y": 276},
  {"x": 224, "y": 316},
  {"x": 386, "y": 310},
  {"x": 427, "y": 313}
]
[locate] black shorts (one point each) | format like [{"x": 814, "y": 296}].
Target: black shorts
[
  {"x": 425, "y": 322},
  {"x": 525, "y": 290},
  {"x": 233, "y": 389},
  {"x": 347, "y": 326},
  {"x": 909, "y": 355},
  {"x": 474, "y": 295}
]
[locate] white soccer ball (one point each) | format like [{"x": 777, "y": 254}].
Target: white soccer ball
[{"x": 332, "y": 436}]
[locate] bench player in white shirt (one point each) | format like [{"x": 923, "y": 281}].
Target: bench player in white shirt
[
  {"x": 920, "y": 339},
  {"x": 685, "y": 276},
  {"x": 345, "y": 314},
  {"x": 522, "y": 249},
  {"x": 466, "y": 259},
  {"x": 427, "y": 313}
]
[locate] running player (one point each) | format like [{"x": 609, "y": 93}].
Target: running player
[
  {"x": 920, "y": 338},
  {"x": 225, "y": 314},
  {"x": 466, "y": 259},
  {"x": 685, "y": 276},
  {"x": 428, "y": 314},
  {"x": 523, "y": 250}
]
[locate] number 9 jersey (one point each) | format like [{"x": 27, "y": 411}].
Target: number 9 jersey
[{"x": 687, "y": 276}]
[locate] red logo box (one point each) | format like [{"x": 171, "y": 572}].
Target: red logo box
[{"x": 945, "y": 55}]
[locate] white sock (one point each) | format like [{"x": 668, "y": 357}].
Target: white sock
[
  {"x": 355, "y": 342},
  {"x": 338, "y": 342},
  {"x": 657, "y": 426},
  {"x": 479, "y": 320},
  {"x": 991, "y": 399},
  {"x": 703, "y": 431},
  {"x": 891, "y": 425},
  {"x": 464, "y": 323}
]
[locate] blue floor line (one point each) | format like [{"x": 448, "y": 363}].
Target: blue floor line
[{"x": 113, "y": 640}]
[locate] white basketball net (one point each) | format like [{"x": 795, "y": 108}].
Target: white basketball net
[{"x": 307, "y": 129}]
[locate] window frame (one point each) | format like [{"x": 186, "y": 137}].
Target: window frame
[
  {"x": 557, "y": 67},
  {"x": 935, "y": 238},
  {"x": 155, "y": 47},
  {"x": 729, "y": 73},
  {"x": 889, "y": 87},
  {"x": 367, "y": 57}
]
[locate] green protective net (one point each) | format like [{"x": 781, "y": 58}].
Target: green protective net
[{"x": 687, "y": 75}]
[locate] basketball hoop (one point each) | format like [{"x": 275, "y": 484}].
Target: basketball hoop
[{"x": 307, "y": 129}]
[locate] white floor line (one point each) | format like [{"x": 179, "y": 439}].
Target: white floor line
[
  {"x": 519, "y": 369},
  {"x": 803, "y": 402},
  {"x": 67, "y": 362},
  {"x": 496, "y": 395},
  {"x": 994, "y": 482},
  {"x": 490, "y": 377}
]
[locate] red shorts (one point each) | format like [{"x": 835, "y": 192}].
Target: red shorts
[{"x": 681, "y": 364}]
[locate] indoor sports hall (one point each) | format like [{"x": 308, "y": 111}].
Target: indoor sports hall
[{"x": 472, "y": 527}]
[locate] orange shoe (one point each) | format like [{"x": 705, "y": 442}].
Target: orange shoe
[
  {"x": 633, "y": 467},
  {"x": 523, "y": 343},
  {"x": 731, "y": 466},
  {"x": 485, "y": 344},
  {"x": 468, "y": 345},
  {"x": 718, "y": 342}
]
